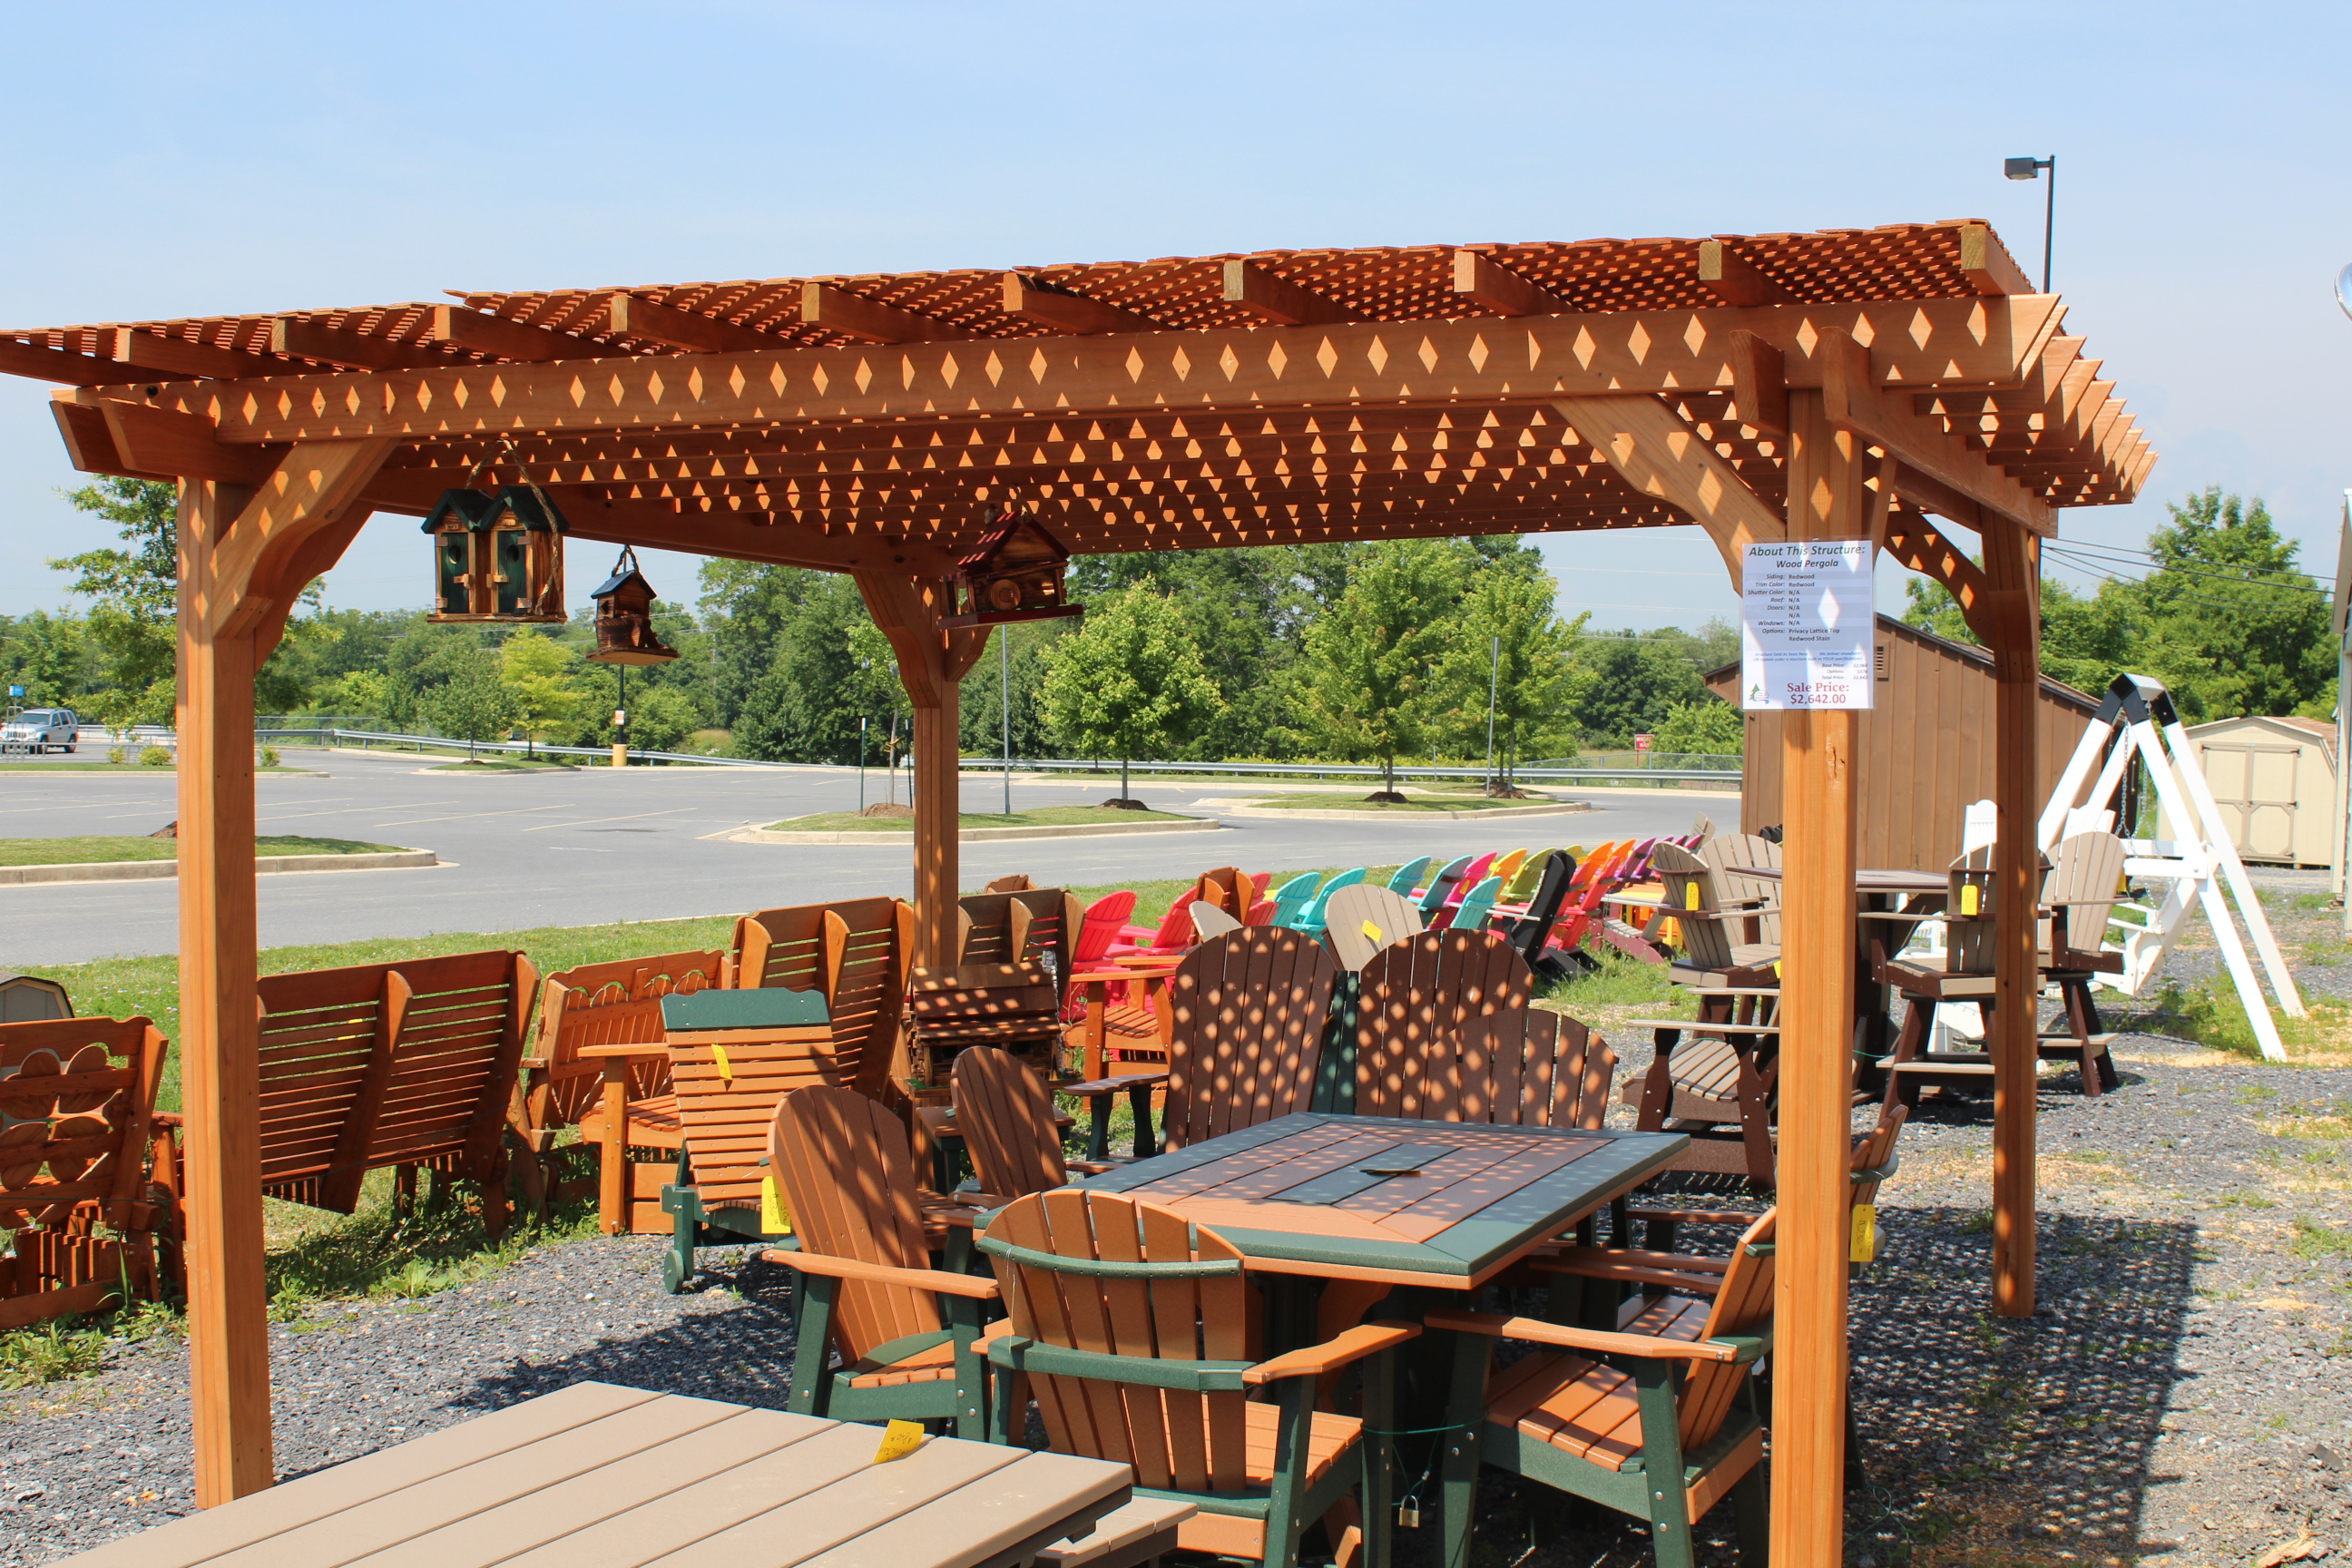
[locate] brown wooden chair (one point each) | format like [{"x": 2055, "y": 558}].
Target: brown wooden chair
[
  {"x": 1129, "y": 1325},
  {"x": 410, "y": 1065},
  {"x": 1444, "y": 1033},
  {"x": 1662, "y": 1428},
  {"x": 1246, "y": 1014},
  {"x": 907, "y": 1333},
  {"x": 614, "y": 1003},
  {"x": 1007, "y": 1122},
  {"x": 79, "y": 1152},
  {"x": 857, "y": 952}
]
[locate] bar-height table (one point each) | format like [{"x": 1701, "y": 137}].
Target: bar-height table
[
  {"x": 1872, "y": 890},
  {"x": 595, "y": 1475}
]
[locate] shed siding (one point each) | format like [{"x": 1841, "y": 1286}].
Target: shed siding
[
  {"x": 1926, "y": 748},
  {"x": 2275, "y": 780}
]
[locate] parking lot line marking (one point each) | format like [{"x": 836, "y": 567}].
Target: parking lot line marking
[
  {"x": 631, "y": 817},
  {"x": 461, "y": 816}
]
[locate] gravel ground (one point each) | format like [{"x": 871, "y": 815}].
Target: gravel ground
[{"x": 2182, "y": 1396}]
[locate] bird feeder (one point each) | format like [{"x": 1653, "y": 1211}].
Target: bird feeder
[
  {"x": 498, "y": 556},
  {"x": 1013, "y": 574},
  {"x": 625, "y": 617}
]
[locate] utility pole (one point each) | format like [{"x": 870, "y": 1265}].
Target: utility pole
[{"x": 1004, "y": 693}]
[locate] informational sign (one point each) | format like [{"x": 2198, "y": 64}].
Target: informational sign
[
  {"x": 16, "y": 691},
  {"x": 1806, "y": 626},
  {"x": 1644, "y": 742}
]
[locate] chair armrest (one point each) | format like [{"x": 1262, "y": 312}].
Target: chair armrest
[
  {"x": 1135, "y": 963},
  {"x": 167, "y": 1119},
  {"x": 536, "y": 1063},
  {"x": 855, "y": 1268},
  {"x": 1495, "y": 1325},
  {"x": 1092, "y": 1087},
  {"x": 1314, "y": 1361},
  {"x": 623, "y": 1053},
  {"x": 1091, "y": 1167}
]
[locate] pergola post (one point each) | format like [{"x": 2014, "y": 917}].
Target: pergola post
[
  {"x": 933, "y": 660},
  {"x": 2012, "y": 567},
  {"x": 1828, "y": 498},
  {"x": 220, "y": 1037}
]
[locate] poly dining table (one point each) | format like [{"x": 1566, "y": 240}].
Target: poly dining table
[
  {"x": 597, "y": 1476},
  {"x": 1874, "y": 889}
]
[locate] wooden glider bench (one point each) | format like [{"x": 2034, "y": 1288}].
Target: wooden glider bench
[
  {"x": 615, "y": 1004},
  {"x": 80, "y": 1151},
  {"x": 412, "y": 1066}
]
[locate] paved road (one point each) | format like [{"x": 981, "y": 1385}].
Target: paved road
[{"x": 604, "y": 843}]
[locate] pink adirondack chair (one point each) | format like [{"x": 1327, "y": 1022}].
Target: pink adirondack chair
[
  {"x": 1105, "y": 919},
  {"x": 1472, "y": 876}
]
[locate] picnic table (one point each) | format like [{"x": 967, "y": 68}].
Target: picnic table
[{"x": 596, "y": 1476}]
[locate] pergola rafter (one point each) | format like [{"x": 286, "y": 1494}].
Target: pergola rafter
[{"x": 1839, "y": 385}]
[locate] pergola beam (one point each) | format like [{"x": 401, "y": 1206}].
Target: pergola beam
[
  {"x": 179, "y": 357},
  {"x": 1734, "y": 279},
  {"x": 628, "y": 316},
  {"x": 1658, "y": 454},
  {"x": 1273, "y": 297},
  {"x": 1854, "y": 402},
  {"x": 502, "y": 338},
  {"x": 1481, "y": 279},
  {"x": 1059, "y": 310},
  {"x": 299, "y": 337},
  {"x": 1474, "y": 361},
  {"x": 1988, "y": 265},
  {"x": 59, "y": 365},
  {"x": 868, "y": 321}
]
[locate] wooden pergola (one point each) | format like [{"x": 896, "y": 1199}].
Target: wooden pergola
[{"x": 1829, "y": 386}]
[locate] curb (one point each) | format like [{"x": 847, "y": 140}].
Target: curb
[
  {"x": 969, "y": 835},
  {"x": 1562, "y": 808},
  {"x": 263, "y": 865}
]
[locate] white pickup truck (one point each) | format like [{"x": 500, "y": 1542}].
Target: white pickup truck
[{"x": 36, "y": 729}]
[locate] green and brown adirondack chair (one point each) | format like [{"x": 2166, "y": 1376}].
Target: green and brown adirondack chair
[
  {"x": 907, "y": 1333},
  {"x": 1661, "y": 1426},
  {"x": 1128, "y": 1326}
]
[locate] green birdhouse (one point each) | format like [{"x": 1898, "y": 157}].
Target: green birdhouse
[{"x": 496, "y": 556}]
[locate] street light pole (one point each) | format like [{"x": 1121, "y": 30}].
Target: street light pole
[
  {"x": 1493, "y": 671},
  {"x": 1005, "y": 695},
  {"x": 2031, "y": 168}
]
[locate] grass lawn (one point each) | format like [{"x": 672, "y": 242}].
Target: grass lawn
[
  {"x": 1040, "y": 816},
  {"x": 508, "y": 765},
  {"x": 1358, "y": 803},
  {"x": 100, "y": 848}
]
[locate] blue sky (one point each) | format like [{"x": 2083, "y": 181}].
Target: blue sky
[{"x": 168, "y": 160}]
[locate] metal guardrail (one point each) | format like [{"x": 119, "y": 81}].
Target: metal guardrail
[
  {"x": 443, "y": 742},
  {"x": 1347, "y": 770}
]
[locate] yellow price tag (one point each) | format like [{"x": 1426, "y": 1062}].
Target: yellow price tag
[
  {"x": 899, "y": 1439},
  {"x": 1969, "y": 899},
  {"x": 726, "y": 1067},
  {"x": 1690, "y": 895},
  {"x": 774, "y": 1220},
  {"x": 1864, "y": 1247},
  {"x": 1372, "y": 931}
]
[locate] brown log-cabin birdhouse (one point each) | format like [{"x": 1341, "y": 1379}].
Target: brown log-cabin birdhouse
[
  {"x": 625, "y": 617},
  {"x": 1013, "y": 574},
  {"x": 496, "y": 556}
]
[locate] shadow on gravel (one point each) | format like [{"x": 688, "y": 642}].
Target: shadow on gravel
[
  {"x": 1990, "y": 1439},
  {"x": 742, "y": 1353}
]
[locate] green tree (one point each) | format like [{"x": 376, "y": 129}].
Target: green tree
[
  {"x": 1532, "y": 679},
  {"x": 1637, "y": 679},
  {"x": 539, "y": 672},
  {"x": 134, "y": 590},
  {"x": 49, "y": 656},
  {"x": 981, "y": 716},
  {"x": 804, "y": 703},
  {"x": 1710, "y": 727},
  {"x": 1131, "y": 682},
  {"x": 474, "y": 703},
  {"x": 1369, "y": 679}
]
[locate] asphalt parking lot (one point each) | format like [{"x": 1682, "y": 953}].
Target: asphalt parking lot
[{"x": 646, "y": 843}]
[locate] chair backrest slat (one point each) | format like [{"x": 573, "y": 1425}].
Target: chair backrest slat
[
  {"x": 1690, "y": 888},
  {"x": 1362, "y": 919},
  {"x": 1742, "y": 1303},
  {"x": 1007, "y": 1122},
  {"x": 860, "y": 967},
  {"x": 2086, "y": 875},
  {"x": 843, "y": 1168},
  {"x": 1731, "y": 855},
  {"x": 1444, "y": 1033},
  {"x": 1245, "y": 1030},
  {"x": 614, "y": 1003}
]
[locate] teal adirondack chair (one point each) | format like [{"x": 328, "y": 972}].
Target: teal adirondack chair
[
  {"x": 1470, "y": 913},
  {"x": 1311, "y": 919},
  {"x": 1407, "y": 877},
  {"x": 1291, "y": 898},
  {"x": 1441, "y": 887}
]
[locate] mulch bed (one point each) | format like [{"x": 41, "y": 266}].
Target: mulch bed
[{"x": 2182, "y": 1395}]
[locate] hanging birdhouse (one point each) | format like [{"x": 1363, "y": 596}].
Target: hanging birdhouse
[
  {"x": 496, "y": 556},
  {"x": 625, "y": 617},
  {"x": 1013, "y": 574}
]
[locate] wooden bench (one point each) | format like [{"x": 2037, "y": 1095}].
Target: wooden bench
[
  {"x": 614, "y": 1003},
  {"x": 856, "y": 953},
  {"x": 79, "y": 1097},
  {"x": 411, "y": 1066}
]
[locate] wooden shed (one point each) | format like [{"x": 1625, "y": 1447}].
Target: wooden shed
[
  {"x": 1924, "y": 757},
  {"x": 2275, "y": 780}
]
